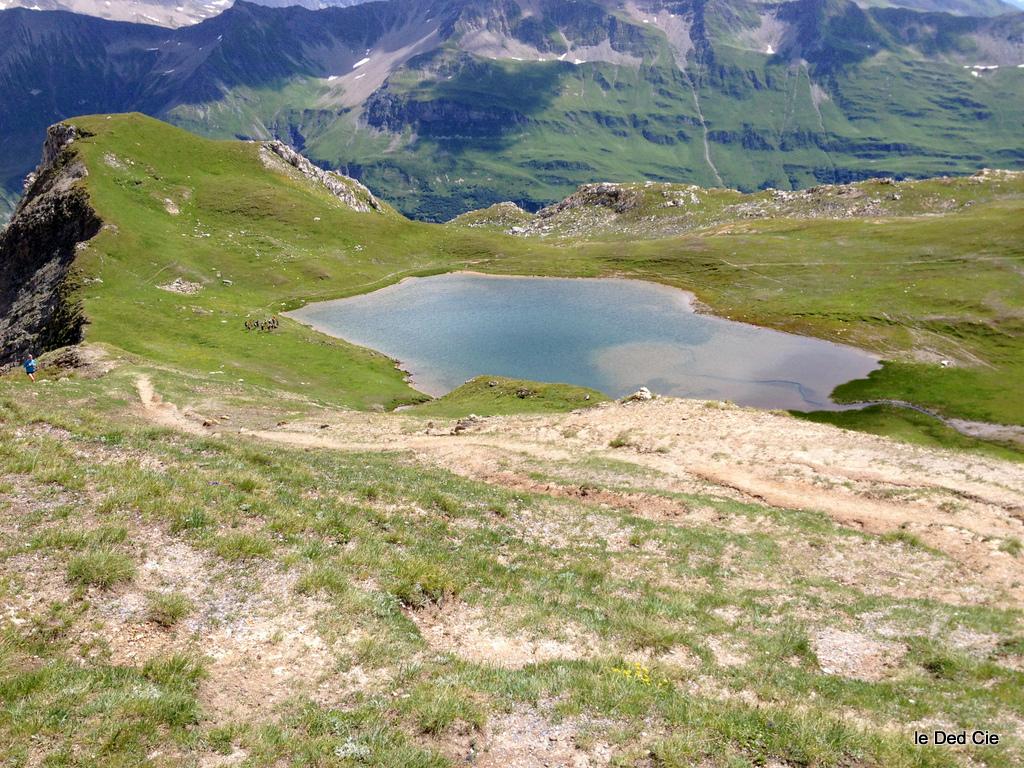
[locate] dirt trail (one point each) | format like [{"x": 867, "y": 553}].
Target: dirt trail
[
  {"x": 964, "y": 505},
  {"x": 163, "y": 413}
]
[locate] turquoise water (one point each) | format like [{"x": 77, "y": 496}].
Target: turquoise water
[{"x": 610, "y": 334}]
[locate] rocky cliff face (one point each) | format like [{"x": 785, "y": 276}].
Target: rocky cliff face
[{"x": 39, "y": 309}]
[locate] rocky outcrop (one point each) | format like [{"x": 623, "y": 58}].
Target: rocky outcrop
[
  {"x": 504, "y": 215},
  {"x": 642, "y": 395},
  {"x": 617, "y": 197},
  {"x": 349, "y": 191},
  {"x": 39, "y": 306},
  {"x": 652, "y": 210}
]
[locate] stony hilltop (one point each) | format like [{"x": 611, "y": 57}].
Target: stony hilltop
[
  {"x": 653, "y": 210},
  {"x": 222, "y": 547}
]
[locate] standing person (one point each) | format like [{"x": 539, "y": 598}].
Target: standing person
[{"x": 30, "y": 367}]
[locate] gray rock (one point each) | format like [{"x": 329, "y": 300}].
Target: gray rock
[
  {"x": 348, "y": 190},
  {"x": 463, "y": 424}
]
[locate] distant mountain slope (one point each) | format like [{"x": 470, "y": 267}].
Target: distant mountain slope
[
  {"x": 166, "y": 13},
  {"x": 448, "y": 105},
  {"x": 178, "y": 13}
]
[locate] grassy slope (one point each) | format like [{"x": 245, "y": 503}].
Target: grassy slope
[
  {"x": 241, "y": 223},
  {"x": 911, "y": 427},
  {"x": 491, "y": 395},
  {"x": 106, "y": 665},
  {"x": 893, "y": 285}
]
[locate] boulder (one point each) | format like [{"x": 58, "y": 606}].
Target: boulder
[
  {"x": 463, "y": 424},
  {"x": 640, "y": 396}
]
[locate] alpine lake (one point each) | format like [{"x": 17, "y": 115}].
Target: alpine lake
[{"x": 614, "y": 335}]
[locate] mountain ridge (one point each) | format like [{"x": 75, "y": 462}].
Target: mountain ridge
[
  {"x": 445, "y": 107},
  {"x": 172, "y": 13},
  {"x": 178, "y": 13}
]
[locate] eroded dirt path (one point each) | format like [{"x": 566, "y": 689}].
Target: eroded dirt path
[
  {"x": 967, "y": 506},
  {"x": 163, "y": 413}
]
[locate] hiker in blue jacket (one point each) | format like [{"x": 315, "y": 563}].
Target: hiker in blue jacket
[{"x": 30, "y": 367}]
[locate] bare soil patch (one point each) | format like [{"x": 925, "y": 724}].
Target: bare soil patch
[
  {"x": 526, "y": 738},
  {"x": 468, "y": 633},
  {"x": 180, "y": 285},
  {"x": 727, "y": 651},
  {"x": 856, "y": 656},
  {"x": 164, "y": 413}
]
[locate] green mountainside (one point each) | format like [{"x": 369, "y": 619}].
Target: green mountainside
[
  {"x": 200, "y": 236},
  {"x": 447, "y": 106}
]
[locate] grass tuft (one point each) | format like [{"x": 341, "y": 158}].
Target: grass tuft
[
  {"x": 418, "y": 582},
  {"x": 621, "y": 440},
  {"x": 100, "y": 568},
  {"x": 438, "y": 707},
  {"x": 1011, "y": 546},
  {"x": 167, "y": 608},
  {"x": 242, "y": 546},
  {"x": 62, "y": 538}
]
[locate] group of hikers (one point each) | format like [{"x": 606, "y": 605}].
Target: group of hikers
[{"x": 262, "y": 325}]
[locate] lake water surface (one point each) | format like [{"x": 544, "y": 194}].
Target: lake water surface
[{"x": 610, "y": 334}]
